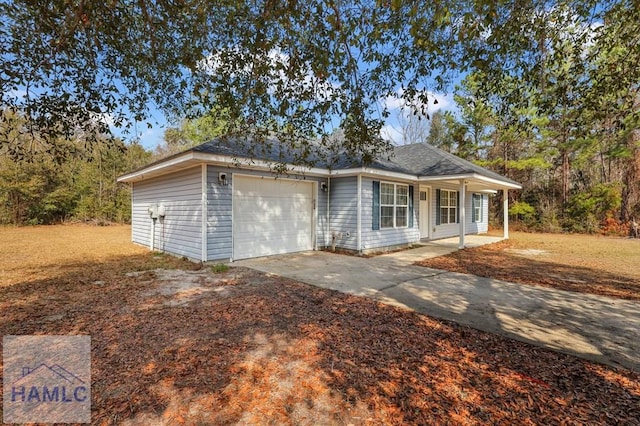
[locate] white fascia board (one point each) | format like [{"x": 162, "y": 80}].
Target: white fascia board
[
  {"x": 472, "y": 176},
  {"x": 365, "y": 171},
  {"x": 248, "y": 163},
  {"x": 203, "y": 157},
  {"x": 497, "y": 182},
  {"x": 445, "y": 177},
  {"x": 156, "y": 169}
]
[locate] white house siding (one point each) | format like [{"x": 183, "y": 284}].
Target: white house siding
[
  {"x": 344, "y": 218},
  {"x": 453, "y": 229},
  {"x": 179, "y": 232},
  {"x": 386, "y": 237},
  {"x": 220, "y": 211}
]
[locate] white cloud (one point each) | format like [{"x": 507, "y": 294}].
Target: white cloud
[
  {"x": 275, "y": 76},
  {"x": 402, "y": 126},
  {"x": 153, "y": 137},
  {"x": 436, "y": 102},
  {"x": 105, "y": 118}
]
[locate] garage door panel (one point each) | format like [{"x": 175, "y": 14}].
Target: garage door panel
[{"x": 271, "y": 216}]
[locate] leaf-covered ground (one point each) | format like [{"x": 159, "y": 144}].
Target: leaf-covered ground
[
  {"x": 582, "y": 263},
  {"x": 175, "y": 344}
]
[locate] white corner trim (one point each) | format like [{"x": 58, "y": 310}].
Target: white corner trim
[
  {"x": 233, "y": 217},
  {"x": 204, "y": 213},
  {"x": 327, "y": 236},
  {"x": 314, "y": 214},
  {"x": 359, "y": 216}
]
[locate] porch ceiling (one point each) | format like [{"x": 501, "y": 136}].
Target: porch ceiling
[{"x": 475, "y": 183}]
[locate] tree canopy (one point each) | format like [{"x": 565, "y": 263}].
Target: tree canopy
[
  {"x": 296, "y": 69},
  {"x": 548, "y": 91}
]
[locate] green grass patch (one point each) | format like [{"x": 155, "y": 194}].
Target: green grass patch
[{"x": 220, "y": 268}]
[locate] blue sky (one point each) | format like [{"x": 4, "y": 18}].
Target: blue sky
[{"x": 150, "y": 138}]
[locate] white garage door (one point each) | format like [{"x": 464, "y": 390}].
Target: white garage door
[{"x": 271, "y": 216}]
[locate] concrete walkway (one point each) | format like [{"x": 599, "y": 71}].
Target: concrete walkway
[{"x": 597, "y": 328}]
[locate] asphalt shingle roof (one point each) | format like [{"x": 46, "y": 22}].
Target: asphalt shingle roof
[
  {"x": 426, "y": 160},
  {"x": 419, "y": 159}
]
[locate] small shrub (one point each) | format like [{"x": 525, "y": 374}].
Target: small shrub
[
  {"x": 613, "y": 226},
  {"x": 523, "y": 212},
  {"x": 589, "y": 210},
  {"x": 219, "y": 268}
]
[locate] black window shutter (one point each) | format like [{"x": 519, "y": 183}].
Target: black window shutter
[
  {"x": 473, "y": 207},
  {"x": 410, "y": 206},
  {"x": 481, "y": 207},
  {"x": 458, "y": 209},
  {"x": 375, "y": 220},
  {"x": 437, "y": 207}
]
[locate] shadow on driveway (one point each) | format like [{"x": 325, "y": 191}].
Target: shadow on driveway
[{"x": 593, "y": 327}]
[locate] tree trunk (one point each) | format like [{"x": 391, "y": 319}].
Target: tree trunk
[
  {"x": 566, "y": 170},
  {"x": 630, "y": 178}
]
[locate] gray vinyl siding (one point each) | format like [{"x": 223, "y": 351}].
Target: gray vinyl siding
[
  {"x": 220, "y": 210},
  {"x": 343, "y": 205},
  {"x": 386, "y": 237},
  {"x": 481, "y": 227},
  {"x": 453, "y": 229},
  {"x": 219, "y": 215},
  {"x": 179, "y": 232},
  {"x": 321, "y": 225}
]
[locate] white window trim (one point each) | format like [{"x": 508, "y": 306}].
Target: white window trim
[
  {"x": 395, "y": 205},
  {"x": 477, "y": 207},
  {"x": 449, "y": 208}
]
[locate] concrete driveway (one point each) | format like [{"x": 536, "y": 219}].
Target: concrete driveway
[{"x": 597, "y": 328}]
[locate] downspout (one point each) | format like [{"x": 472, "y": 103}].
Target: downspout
[
  {"x": 359, "y": 216},
  {"x": 153, "y": 234}
]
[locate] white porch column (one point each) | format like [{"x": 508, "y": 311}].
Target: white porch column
[
  {"x": 462, "y": 212},
  {"x": 505, "y": 213}
]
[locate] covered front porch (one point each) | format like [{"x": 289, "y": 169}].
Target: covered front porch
[
  {"x": 428, "y": 249},
  {"x": 465, "y": 185}
]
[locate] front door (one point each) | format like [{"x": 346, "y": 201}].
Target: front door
[{"x": 424, "y": 212}]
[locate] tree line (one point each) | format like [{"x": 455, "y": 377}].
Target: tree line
[
  {"x": 603, "y": 189},
  {"x": 580, "y": 172},
  {"x": 550, "y": 96},
  {"x": 81, "y": 185},
  {"x": 39, "y": 188}
]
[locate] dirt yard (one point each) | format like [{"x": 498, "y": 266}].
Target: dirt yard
[
  {"x": 583, "y": 263},
  {"x": 174, "y": 343}
]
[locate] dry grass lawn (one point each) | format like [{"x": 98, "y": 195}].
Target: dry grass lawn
[
  {"x": 174, "y": 343},
  {"x": 583, "y": 263},
  {"x": 38, "y": 252}
]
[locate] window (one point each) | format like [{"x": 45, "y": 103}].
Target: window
[
  {"x": 448, "y": 206},
  {"x": 423, "y": 195},
  {"x": 477, "y": 207},
  {"x": 394, "y": 205}
]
